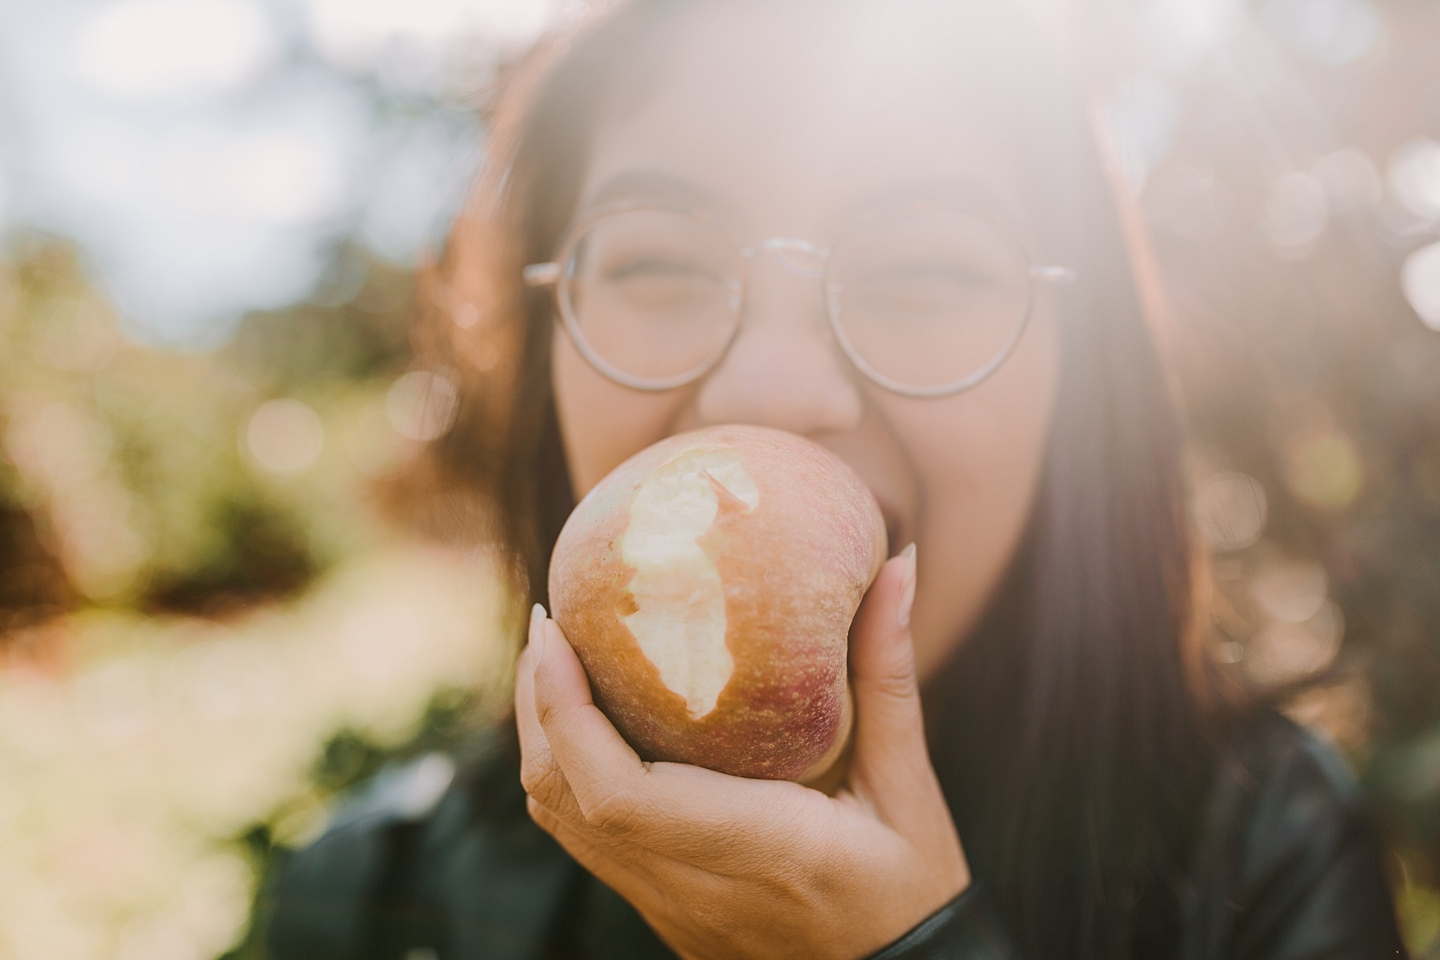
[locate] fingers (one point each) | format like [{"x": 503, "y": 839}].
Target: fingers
[
  {"x": 565, "y": 740},
  {"x": 578, "y": 767},
  {"x": 628, "y": 868},
  {"x": 540, "y": 775},
  {"x": 890, "y": 768},
  {"x": 891, "y": 764},
  {"x": 599, "y": 765}
]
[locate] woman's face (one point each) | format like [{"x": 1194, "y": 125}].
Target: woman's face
[{"x": 784, "y": 122}]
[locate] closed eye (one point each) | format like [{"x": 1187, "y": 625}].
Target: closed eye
[{"x": 659, "y": 268}]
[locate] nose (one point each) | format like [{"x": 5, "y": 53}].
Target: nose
[{"x": 784, "y": 369}]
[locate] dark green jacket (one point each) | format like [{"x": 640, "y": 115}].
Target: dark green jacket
[{"x": 428, "y": 866}]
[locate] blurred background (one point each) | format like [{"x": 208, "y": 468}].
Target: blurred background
[{"x": 211, "y": 212}]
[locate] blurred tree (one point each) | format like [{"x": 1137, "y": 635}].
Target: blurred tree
[
  {"x": 33, "y": 585},
  {"x": 129, "y": 476}
]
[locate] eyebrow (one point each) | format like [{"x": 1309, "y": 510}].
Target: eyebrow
[{"x": 654, "y": 185}]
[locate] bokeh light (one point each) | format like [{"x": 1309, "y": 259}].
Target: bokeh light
[
  {"x": 1284, "y": 652},
  {"x": 1415, "y": 177},
  {"x": 284, "y": 436},
  {"x": 1291, "y": 591},
  {"x": 1420, "y": 279},
  {"x": 1175, "y": 33},
  {"x": 1333, "y": 32},
  {"x": 415, "y": 35},
  {"x": 1231, "y": 510},
  {"x": 172, "y": 48},
  {"x": 1323, "y": 468},
  {"x": 422, "y": 404}
]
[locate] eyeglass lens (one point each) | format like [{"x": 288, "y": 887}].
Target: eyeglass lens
[
  {"x": 653, "y": 292},
  {"x": 929, "y": 297},
  {"x": 924, "y": 297}
]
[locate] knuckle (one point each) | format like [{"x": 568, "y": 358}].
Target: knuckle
[
  {"x": 545, "y": 712},
  {"x": 896, "y": 684},
  {"x": 613, "y": 814},
  {"x": 532, "y": 772},
  {"x": 544, "y": 782}
]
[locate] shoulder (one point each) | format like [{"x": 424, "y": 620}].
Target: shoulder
[
  {"x": 425, "y": 843},
  {"x": 1287, "y": 862},
  {"x": 1290, "y": 784}
]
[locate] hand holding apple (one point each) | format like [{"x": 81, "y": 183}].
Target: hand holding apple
[{"x": 727, "y": 867}]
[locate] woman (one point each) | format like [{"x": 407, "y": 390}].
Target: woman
[{"x": 884, "y": 227}]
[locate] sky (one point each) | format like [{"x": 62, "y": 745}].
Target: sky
[{"x": 207, "y": 156}]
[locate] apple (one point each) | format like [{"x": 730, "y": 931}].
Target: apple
[{"x": 708, "y": 584}]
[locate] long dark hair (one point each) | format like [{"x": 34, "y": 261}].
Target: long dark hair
[{"x": 1074, "y": 730}]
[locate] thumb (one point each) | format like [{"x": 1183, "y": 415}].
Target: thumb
[{"x": 890, "y": 765}]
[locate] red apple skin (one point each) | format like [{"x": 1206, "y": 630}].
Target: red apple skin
[{"x": 794, "y": 569}]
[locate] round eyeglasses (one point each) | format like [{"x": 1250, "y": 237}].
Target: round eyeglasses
[{"x": 925, "y": 300}]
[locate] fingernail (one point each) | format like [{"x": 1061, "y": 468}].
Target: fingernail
[
  {"x": 907, "y": 586},
  {"x": 537, "y": 627}
]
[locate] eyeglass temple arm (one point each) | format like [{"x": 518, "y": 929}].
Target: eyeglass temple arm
[{"x": 541, "y": 274}]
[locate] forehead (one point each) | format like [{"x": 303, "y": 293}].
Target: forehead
[{"x": 791, "y": 115}]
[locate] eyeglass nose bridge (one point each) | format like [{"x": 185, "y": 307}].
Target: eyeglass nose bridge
[{"x": 800, "y": 257}]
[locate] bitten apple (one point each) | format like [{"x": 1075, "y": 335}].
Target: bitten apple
[{"x": 707, "y": 584}]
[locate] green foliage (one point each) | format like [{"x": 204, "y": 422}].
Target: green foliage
[{"x": 127, "y": 482}]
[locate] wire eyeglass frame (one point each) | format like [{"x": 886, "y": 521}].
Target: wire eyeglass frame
[{"x": 800, "y": 257}]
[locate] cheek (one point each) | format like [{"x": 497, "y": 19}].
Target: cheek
[
  {"x": 602, "y": 423},
  {"x": 977, "y": 458}
]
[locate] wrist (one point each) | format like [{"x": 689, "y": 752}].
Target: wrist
[{"x": 967, "y": 926}]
